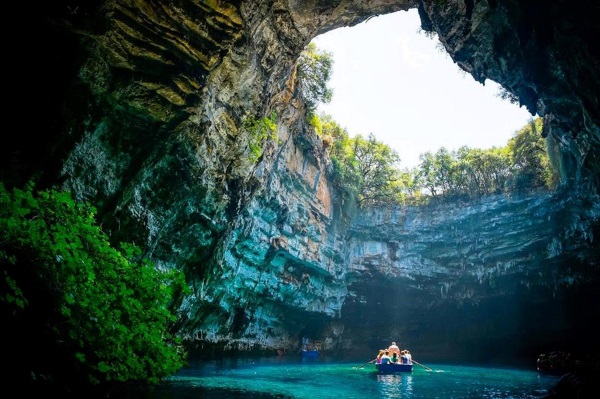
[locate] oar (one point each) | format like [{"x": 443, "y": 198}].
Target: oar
[
  {"x": 363, "y": 365},
  {"x": 422, "y": 365}
]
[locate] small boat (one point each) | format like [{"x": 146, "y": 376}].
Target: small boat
[
  {"x": 306, "y": 353},
  {"x": 310, "y": 350},
  {"x": 391, "y": 368}
]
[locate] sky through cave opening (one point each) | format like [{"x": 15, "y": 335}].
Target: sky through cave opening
[{"x": 392, "y": 80}]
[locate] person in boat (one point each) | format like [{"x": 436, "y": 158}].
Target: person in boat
[
  {"x": 394, "y": 348},
  {"x": 385, "y": 359},
  {"x": 378, "y": 359},
  {"x": 408, "y": 357},
  {"x": 395, "y": 358},
  {"x": 403, "y": 357}
]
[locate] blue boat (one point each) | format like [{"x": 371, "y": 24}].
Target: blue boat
[
  {"x": 392, "y": 368},
  {"x": 310, "y": 350},
  {"x": 310, "y": 353}
]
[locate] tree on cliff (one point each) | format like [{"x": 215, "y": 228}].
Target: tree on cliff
[
  {"x": 532, "y": 166},
  {"x": 471, "y": 172},
  {"x": 79, "y": 312},
  {"x": 314, "y": 71},
  {"x": 367, "y": 171},
  {"x": 365, "y": 168},
  {"x": 523, "y": 164},
  {"x": 377, "y": 171}
]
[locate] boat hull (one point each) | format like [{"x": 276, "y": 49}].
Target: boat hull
[
  {"x": 392, "y": 368},
  {"x": 310, "y": 354}
]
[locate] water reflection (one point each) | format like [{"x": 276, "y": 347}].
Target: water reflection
[{"x": 395, "y": 385}]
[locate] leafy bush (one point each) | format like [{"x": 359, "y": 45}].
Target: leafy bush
[
  {"x": 81, "y": 312},
  {"x": 259, "y": 131}
]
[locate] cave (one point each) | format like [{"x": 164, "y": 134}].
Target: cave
[{"x": 139, "y": 109}]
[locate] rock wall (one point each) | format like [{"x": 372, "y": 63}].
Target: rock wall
[
  {"x": 497, "y": 279},
  {"x": 140, "y": 108},
  {"x": 543, "y": 53}
]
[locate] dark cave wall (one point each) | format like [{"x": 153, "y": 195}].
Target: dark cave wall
[
  {"x": 511, "y": 330},
  {"x": 139, "y": 107},
  {"x": 485, "y": 281},
  {"x": 542, "y": 52}
]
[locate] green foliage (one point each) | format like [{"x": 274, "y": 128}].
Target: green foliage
[
  {"x": 367, "y": 171},
  {"x": 330, "y": 129},
  {"x": 504, "y": 94},
  {"x": 364, "y": 169},
  {"x": 314, "y": 71},
  {"x": 470, "y": 172},
  {"x": 78, "y": 308},
  {"x": 521, "y": 165},
  {"x": 315, "y": 121},
  {"x": 344, "y": 171},
  {"x": 259, "y": 131},
  {"x": 488, "y": 170},
  {"x": 377, "y": 171},
  {"x": 554, "y": 164},
  {"x": 427, "y": 173},
  {"x": 532, "y": 165}
]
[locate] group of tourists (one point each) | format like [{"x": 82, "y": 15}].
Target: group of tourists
[{"x": 393, "y": 354}]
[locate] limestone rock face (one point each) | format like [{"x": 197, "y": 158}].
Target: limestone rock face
[
  {"x": 141, "y": 107},
  {"x": 472, "y": 279}
]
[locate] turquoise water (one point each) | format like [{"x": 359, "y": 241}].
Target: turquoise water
[{"x": 315, "y": 379}]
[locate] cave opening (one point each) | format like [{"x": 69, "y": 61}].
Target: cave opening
[
  {"x": 393, "y": 79},
  {"x": 398, "y": 83}
]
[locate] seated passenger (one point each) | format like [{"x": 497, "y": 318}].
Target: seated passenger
[
  {"x": 403, "y": 357},
  {"x": 378, "y": 360},
  {"x": 409, "y": 356},
  {"x": 385, "y": 359},
  {"x": 395, "y": 358}
]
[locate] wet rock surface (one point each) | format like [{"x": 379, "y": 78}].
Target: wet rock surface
[{"x": 140, "y": 108}]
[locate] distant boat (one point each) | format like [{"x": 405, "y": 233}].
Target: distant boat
[
  {"x": 310, "y": 353},
  {"x": 392, "y": 368},
  {"x": 310, "y": 350}
]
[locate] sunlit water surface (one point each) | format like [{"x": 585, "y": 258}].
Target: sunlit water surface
[{"x": 320, "y": 378}]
